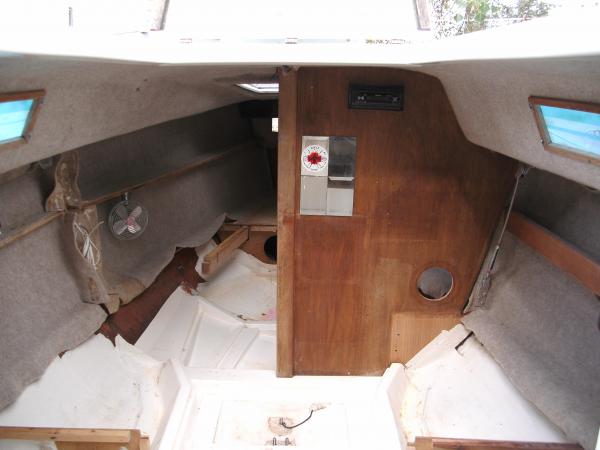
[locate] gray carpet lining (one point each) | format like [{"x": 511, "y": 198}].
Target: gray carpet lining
[
  {"x": 47, "y": 289},
  {"x": 568, "y": 209},
  {"x": 541, "y": 325},
  {"x": 42, "y": 309},
  {"x": 23, "y": 198}
]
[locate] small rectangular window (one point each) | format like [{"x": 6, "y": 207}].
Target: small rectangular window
[
  {"x": 569, "y": 128},
  {"x": 17, "y": 115}
]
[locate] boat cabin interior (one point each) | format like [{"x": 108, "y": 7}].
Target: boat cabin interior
[{"x": 300, "y": 249}]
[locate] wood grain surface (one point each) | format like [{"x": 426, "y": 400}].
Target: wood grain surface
[{"x": 424, "y": 196}]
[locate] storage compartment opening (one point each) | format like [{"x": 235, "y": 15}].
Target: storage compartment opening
[{"x": 435, "y": 283}]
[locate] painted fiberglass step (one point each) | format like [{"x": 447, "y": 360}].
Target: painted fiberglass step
[{"x": 201, "y": 335}]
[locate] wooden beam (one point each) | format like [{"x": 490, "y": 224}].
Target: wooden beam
[
  {"x": 132, "y": 319},
  {"x": 15, "y": 234},
  {"x": 257, "y": 228},
  {"x": 221, "y": 254},
  {"x": 286, "y": 210},
  {"x": 88, "y": 435},
  {"x": 88, "y": 446},
  {"x": 558, "y": 251},
  {"x": 191, "y": 166},
  {"x": 435, "y": 443}
]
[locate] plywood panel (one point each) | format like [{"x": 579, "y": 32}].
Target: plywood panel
[
  {"x": 424, "y": 196},
  {"x": 413, "y": 331}
]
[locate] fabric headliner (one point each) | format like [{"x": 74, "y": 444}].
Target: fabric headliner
[{"x": 542, "y": 327}]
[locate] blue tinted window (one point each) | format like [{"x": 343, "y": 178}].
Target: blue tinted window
[
  {"x": 579, "y": 130},
  {"x": 13, "y": 118}
]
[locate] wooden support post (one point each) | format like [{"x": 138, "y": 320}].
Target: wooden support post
[{"x": 286, "y": 210}]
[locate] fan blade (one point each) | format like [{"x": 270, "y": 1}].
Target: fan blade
[
  {"x": 121, "y": 212},
  {"x": 134, "y": 227},
  {"x": 119, "y": 226},
  {"x": 137, "y": 211}
]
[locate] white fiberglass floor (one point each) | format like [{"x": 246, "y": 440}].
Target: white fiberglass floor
[
  {"x": 228, "y": 350},
  {"x": 202, "y": 376}
]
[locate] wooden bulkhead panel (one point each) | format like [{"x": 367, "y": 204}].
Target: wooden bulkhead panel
[{"x": 424, "y": 196}]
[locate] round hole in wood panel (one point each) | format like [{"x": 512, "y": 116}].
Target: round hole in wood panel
[
  {"x": 435, "y": 283},
  {"x": 271, "y": 248}
]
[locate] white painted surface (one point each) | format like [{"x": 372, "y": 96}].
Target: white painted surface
[
  {"x": 569, "y": 35},
  {"x": 245, "y": 287},
  {"x": 464, "y": 394},
  {"x": 233, "y": 411},
  {"x": 207, "y": 337},
  {"x": 225, "y": 392},
  {"x": 96, "y": 385}
]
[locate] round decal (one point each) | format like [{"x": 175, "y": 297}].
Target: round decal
[{"x": 314, "y": 158}]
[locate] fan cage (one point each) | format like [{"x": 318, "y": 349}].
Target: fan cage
[{"x": 121, "y": 212}]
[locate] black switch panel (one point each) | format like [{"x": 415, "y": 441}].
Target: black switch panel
[{"x": 376, "y": 97}]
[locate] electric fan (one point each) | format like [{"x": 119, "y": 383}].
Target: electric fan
[{"x": 127, "y": 220}]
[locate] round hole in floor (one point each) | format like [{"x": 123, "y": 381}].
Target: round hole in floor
[
  {"x": 435, "y": 283},
  {"x": 271, "y": 248}
]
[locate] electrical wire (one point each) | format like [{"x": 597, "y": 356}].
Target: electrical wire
[
  {"x": 89, "y": 250},
  {"x": 291, "y": 427}
]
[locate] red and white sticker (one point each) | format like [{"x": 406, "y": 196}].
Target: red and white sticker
[{"x": 314, "y": 158}]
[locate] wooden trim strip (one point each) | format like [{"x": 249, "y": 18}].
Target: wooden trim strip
[
  {"x": 25, "y": 95},
  {"x": 560, "y": 253},
  {"x": 235, "y": 227},
  {"x": 14, "y": 235},
  {"x": 286, "y": 209},
  {"x": 90, "y": 435},
  {"x": 223, "y": 252},
  {"x": 435, "y": 443},
  {"x": 568, "y": 104},
  {"x": 177, "y": 172}
]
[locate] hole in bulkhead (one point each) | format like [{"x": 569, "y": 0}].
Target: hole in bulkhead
[
  {"x": 271, "y": 248},
  {"x": 435, "y": 283}
]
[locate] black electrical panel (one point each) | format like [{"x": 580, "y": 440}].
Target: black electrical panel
[{"x": 389, "y": 98}]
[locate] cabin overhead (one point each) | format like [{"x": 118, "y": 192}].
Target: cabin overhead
[{"x": 412, "y": 222}]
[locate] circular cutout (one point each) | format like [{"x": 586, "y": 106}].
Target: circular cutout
[
  {"x": 271, "y": 248},
  {"x": 435, "y": 283}
]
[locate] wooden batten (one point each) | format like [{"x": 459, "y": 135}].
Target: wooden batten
[
  {"x": 202, "y": 161},
  {"x": 79, "y": 438},
  {"x": 559, "y": 252},
  {"x": 11, "y": 236},
  {"x": 436, "y": 443},
  {"x": 218, "y": 256}
]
